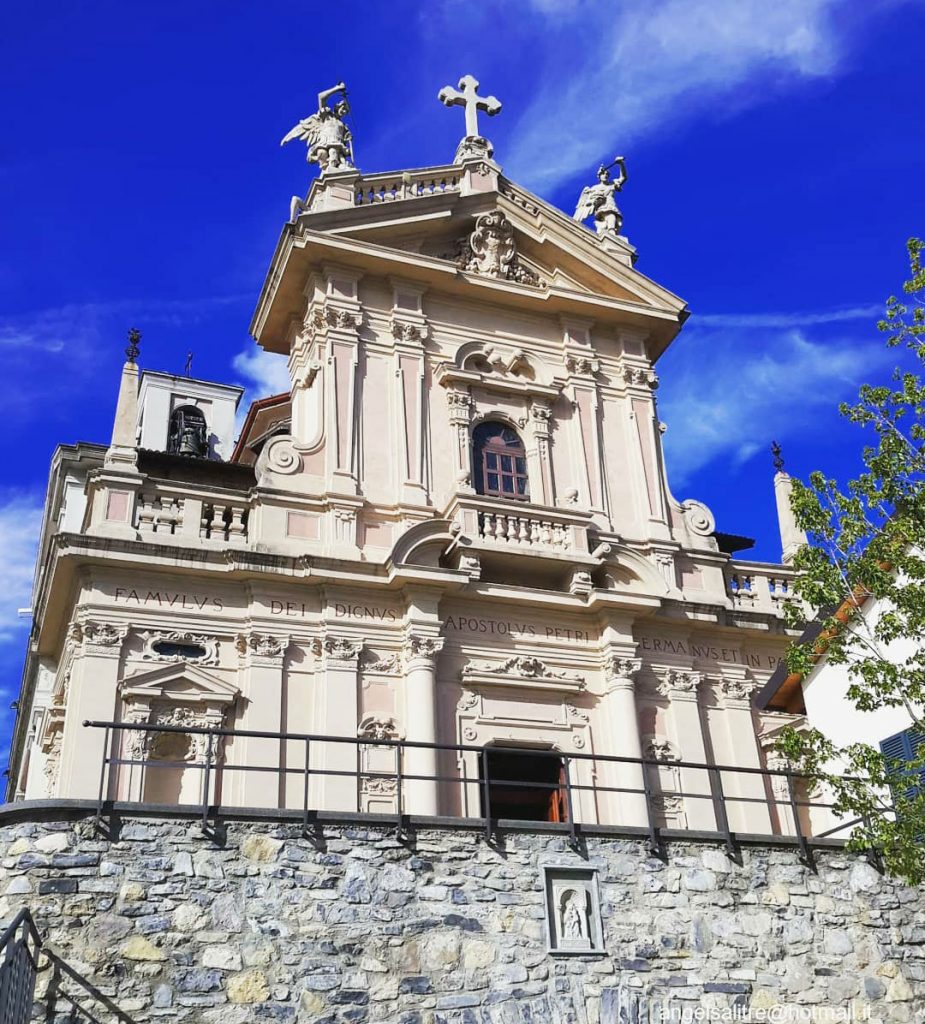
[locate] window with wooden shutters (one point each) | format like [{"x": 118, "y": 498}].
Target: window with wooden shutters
[
  {"x": 499, "y": 462},
  {"x": 905, "y": 747}
]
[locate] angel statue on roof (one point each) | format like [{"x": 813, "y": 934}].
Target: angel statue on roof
[
  {"x": 330, "y": 144},
  {"x": 598, "y": 200}
]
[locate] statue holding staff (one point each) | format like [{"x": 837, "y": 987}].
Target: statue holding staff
[
  {"x": 330, "y": 143},
  {"x": 598, "y": 201}
]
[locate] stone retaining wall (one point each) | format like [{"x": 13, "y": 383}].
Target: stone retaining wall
[{"x": 443, "y": 929}]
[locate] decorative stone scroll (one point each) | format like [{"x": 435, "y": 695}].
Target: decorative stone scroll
[
  {"x": 573, "y": 913},
  {"x": 698, "y": 518},
  {"x": 522, "y": 671}
]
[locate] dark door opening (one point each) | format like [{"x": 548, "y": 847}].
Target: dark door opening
[{"x": 526, "y": 787}]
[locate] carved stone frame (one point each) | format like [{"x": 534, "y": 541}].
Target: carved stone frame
[{"x": 559, "y": 879}]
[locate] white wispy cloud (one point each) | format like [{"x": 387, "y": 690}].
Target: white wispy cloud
[
  {"x": 727, "y": 394},
  {"x": 20, "y": 520},
  {"x": 263, "y": 373},
  {"x": 641, "y": 66},
  {"x": 832, "y": 316}
]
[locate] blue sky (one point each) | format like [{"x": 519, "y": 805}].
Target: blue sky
[{"x": 775, "y": 160}]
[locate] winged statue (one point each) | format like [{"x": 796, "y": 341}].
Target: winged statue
[
  {"x": 330, "y": 143},
  {"x": 598, "y": 201}
]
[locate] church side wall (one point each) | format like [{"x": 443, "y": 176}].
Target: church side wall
[{"x": 441, "y": 928}]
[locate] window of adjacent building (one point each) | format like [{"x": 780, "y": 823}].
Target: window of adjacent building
[
  {"x": 526, "y": 787},
  {"x": 907, "y": 746},
  {"x": 499, "y": 462}
]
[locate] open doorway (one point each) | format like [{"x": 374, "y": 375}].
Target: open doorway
[{"x": 526, "y": 786}]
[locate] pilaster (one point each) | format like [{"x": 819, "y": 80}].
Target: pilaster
[
  {"x": 339, "y": 715},
  {"x": 680, "y": 686},
  {"x": 410, "y": 330},
  {"x": 746, "y": 796},
  {"x": 628, "y": 803},
  {"x": 261, "y": 657},
  {"x": 92, "y": 697}
]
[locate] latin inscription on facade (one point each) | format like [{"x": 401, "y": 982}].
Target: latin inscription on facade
[
  {"x": 188, "y": 601},
  {"x": 706, "y": 652}
]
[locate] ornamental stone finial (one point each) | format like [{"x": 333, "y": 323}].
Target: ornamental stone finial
[
  {"x": 330, "y": 143},
  {"x": 472, "y": 145},
  {"x": 598, "y": 201}
]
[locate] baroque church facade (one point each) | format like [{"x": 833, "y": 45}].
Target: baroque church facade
[{"x": 455, "y": 531}]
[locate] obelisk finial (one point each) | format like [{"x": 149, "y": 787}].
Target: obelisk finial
[
  {"x": 133, "y": 350},
  {"x": 473, "y": 145},
  {"x": 778, "y": 458}
]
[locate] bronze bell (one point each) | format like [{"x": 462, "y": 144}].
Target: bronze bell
[{"x": 188, "y": 433}]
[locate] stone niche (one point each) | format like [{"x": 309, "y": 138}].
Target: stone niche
[{"x": 573, "y": 911}]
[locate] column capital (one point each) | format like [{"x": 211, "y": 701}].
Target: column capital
[
  {"x": 261, "y": 648},
  {"x": 679, "y": 683},
  {"x": 341, "y": 649},
  {"x": 419, "y": 648},
  {"x": 99, "y": 638},
  {"x": 736, "y": 689},
  {"x": 621, "y": 670}
]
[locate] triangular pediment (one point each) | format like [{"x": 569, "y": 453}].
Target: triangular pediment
[{"x": 178, "y": 683}]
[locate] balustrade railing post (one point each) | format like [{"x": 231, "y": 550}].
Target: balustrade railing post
[
  {"x": 100, "y": 796},
  {"x": 719, "y": 806},
  {"x": 806, "y": 853},
  {"x": 305, "y": 787},
  {"x": 655, "y": 840},
  {"x": 207, "y": 773},
  {"x": 398, "y": 800},
  {"x": 570, "y": 804},
  {"x": 486, "y": 793}
]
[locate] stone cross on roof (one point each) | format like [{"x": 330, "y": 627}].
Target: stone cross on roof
[{"x": 467, "y": 96}]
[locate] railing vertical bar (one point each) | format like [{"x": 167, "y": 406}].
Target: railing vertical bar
[
  {"x": 570, "y": 805},
  {"x": 486, "y": 793},
  {"x": 103, "y": 762},
  {"x": 806, "y": 854},
  {"x": 655, "y": 839},
  {"x": 305, "y": 787},
  {"x": 399, "y": 809},
  {"x": 206, "y": 776},
  {"x": 719, "y": 806}
]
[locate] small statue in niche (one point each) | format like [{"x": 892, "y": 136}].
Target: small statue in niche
[
  {"x": 598, "y": 200},
  {"x": 573, "y": 916},
  {"x": 330, "y": 143}
]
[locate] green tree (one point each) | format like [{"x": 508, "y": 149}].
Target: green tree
[{"x": 867, "y": 551}]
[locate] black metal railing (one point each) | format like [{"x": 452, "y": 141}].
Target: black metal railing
[
  {"x": 726, "y": 802},
  {"x": 20, "y": 946},
  {"x": 21, "y": 949}
]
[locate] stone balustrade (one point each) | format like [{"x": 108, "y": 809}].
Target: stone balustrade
[
  {"x": 386, "y": 188},
  {"x": 166, "y": 512},
  {"x": 755, "y": 586},
  {"x": 522, "y": 527}
]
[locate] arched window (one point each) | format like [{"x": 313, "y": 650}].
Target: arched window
[
  {"x": 187, "y": 434},
  {"x": 499, "y": 462}
]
